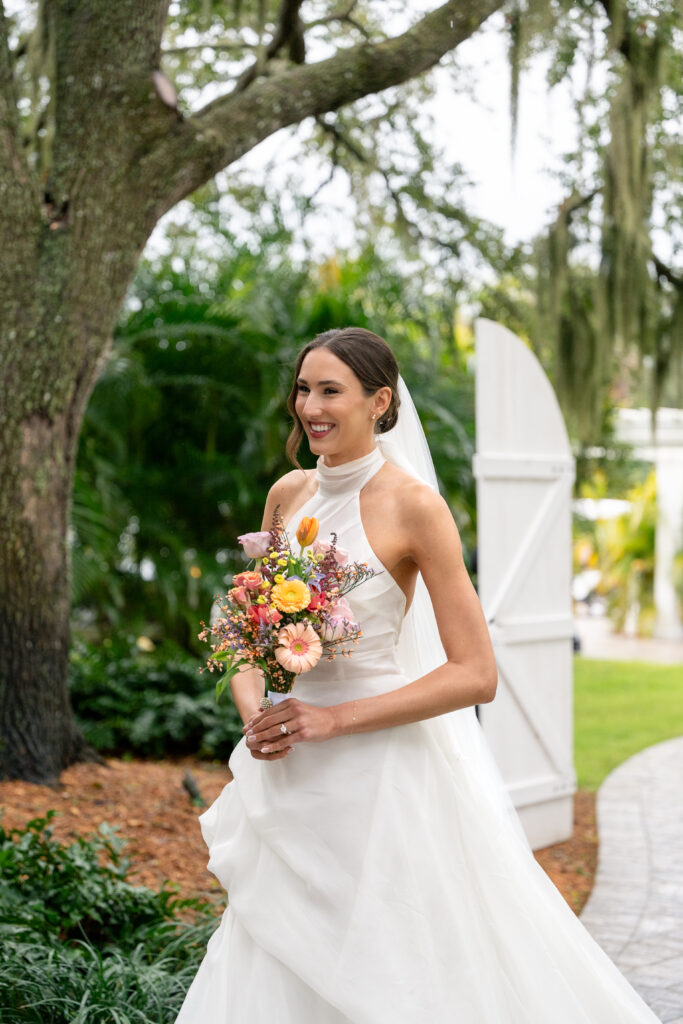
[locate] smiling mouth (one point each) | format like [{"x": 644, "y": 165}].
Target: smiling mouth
[{"x": 320, "y": 429}]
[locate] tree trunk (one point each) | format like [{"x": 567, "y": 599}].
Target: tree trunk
[
  {"x": 52, "y": 344},
  {"x": 39, "y": 736}
]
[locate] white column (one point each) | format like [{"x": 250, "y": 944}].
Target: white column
[
  {"x": 665, "y": 450},
  {"x": 669, "y": 540}
]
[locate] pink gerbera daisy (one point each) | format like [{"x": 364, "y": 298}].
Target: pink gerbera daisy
[{"x": 299, "y": 647}]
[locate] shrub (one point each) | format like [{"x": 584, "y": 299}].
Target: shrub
[
  {"x": 149, "y": 704},
  {"x": 57, "y": 893},
  {"x": 39, "y": 985},
  {"x": 80, "y": 943}
]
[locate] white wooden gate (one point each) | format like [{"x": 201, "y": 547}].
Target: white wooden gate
[{"x": 524, "y": 470}]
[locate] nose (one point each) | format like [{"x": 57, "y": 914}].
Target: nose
[{"x": 311, "y": 407}]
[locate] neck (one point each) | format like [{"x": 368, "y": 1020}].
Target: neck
[
  {"x": 343, "y": 478},
  {"x": 340, "y": 458}
]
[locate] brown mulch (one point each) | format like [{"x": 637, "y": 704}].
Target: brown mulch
[
  {"x": 572, "y": 864},
  {"x": 146, "y": 799}
]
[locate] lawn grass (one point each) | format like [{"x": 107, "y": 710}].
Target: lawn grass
[{"x": 620, "y": 707}]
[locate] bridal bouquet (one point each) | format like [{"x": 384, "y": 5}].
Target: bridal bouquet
[{"x": 290, "y": 609}]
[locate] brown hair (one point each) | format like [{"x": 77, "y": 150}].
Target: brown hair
[{"x": 373, "y": 363}]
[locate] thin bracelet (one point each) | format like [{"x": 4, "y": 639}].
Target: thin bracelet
[{"x": 353, "y": 719}]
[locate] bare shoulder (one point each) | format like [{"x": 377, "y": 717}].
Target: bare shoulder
[
  {"x": 288, "y": 485},
  {"x": 424, "y": 521},
  {"x": 289, "y": 492},
  {"x": 415, "y": 502}
]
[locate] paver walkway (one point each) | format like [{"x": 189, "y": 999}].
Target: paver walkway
[
  {"x": 635, "y": 910},
  {"x": 598, "y": 641}
]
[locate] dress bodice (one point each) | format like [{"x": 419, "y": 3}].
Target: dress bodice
[{"x": 378, "y": 604}]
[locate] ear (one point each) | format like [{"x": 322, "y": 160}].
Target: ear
[{"x": 382, "y": 401}]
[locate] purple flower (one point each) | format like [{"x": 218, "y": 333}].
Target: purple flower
[{"x": 255, "y": 544}]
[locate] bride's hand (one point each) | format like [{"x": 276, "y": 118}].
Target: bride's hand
[{"x": 305, "y": 723}]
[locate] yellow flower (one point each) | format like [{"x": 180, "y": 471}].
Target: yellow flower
[
  {"x": 291, "y": 596},
  {"x": 282, "y": 561},
  {"x": 279, "y": 577},
  {"x": 308, "y": 531}
]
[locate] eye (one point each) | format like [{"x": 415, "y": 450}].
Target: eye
[{"x": 303, "y": 389}]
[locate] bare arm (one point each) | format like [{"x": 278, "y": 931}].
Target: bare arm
[
  {"x": 468, "y": 676},
  {"x": 247, "y": 688},
  {"x": 248, "y": 685}
]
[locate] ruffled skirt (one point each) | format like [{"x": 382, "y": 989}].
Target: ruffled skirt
[{"x": 370, "y": 882}]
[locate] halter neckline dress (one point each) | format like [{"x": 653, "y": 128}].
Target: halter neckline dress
[{"x": 367, "y": 877}]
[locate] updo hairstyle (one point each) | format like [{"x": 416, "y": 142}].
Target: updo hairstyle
[{"x": 373, "y": 363}]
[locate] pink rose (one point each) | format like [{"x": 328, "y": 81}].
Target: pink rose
[
  {"x": 255, "y": 544},
  {"x": 238, "y": 595},
  {"x": 250, "y": 580},
  {"x": 337, "y": 611},
  {"x": 321, "y": 547},
  {"x": 340, "y": 609}
]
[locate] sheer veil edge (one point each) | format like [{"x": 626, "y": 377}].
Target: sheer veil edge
[{"x": 420, "y": 649}]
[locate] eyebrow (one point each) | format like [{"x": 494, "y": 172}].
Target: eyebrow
[{"x": 320, "y": 382}]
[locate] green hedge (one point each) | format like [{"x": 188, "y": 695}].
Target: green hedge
[{"x": 154, "y": 705}]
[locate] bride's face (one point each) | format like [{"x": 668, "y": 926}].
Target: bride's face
[{"x": 331, "y": 398}]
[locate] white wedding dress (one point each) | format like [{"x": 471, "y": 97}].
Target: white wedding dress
[{"x": 369, "y": 881}]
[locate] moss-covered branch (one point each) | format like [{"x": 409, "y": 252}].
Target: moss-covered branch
[{"x": 195, "y": 150}]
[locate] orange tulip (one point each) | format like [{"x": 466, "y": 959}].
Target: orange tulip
[{"x": 308, "y": 531}]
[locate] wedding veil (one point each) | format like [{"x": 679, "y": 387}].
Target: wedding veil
[{"x": 420, "y": 649}]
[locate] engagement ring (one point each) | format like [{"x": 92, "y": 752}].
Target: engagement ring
[{"x": 284, "y": 729}]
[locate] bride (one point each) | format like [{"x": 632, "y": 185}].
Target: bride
[{"x": 376, "y": 869}]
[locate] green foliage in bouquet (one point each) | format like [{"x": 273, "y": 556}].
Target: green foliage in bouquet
[{"x": 290, "y": 610}]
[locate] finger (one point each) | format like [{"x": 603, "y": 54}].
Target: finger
[
  {"x": 269, "y": 726},
  {"x": 274, "y": 746},
  {"x": 275, "y": 741},
  {"x": 260, "y": 716},
  {"x": 276, "y": 755},
  {"x": 257, "y": 739}
]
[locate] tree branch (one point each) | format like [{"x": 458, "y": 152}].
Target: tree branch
[
  {"x": 218, "y": 45},
  {"x": 289, "y": 32},
  {"x": 413, "y": 227},
  {"x": 663, "y": 271},
  {"x": 343, "y": 15},
  {"x": 396, "y": 195},
  {"x": 621, "y": 26},
  {"x": 194, "y": 151},
  {"x": 575, "y": 201}
]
